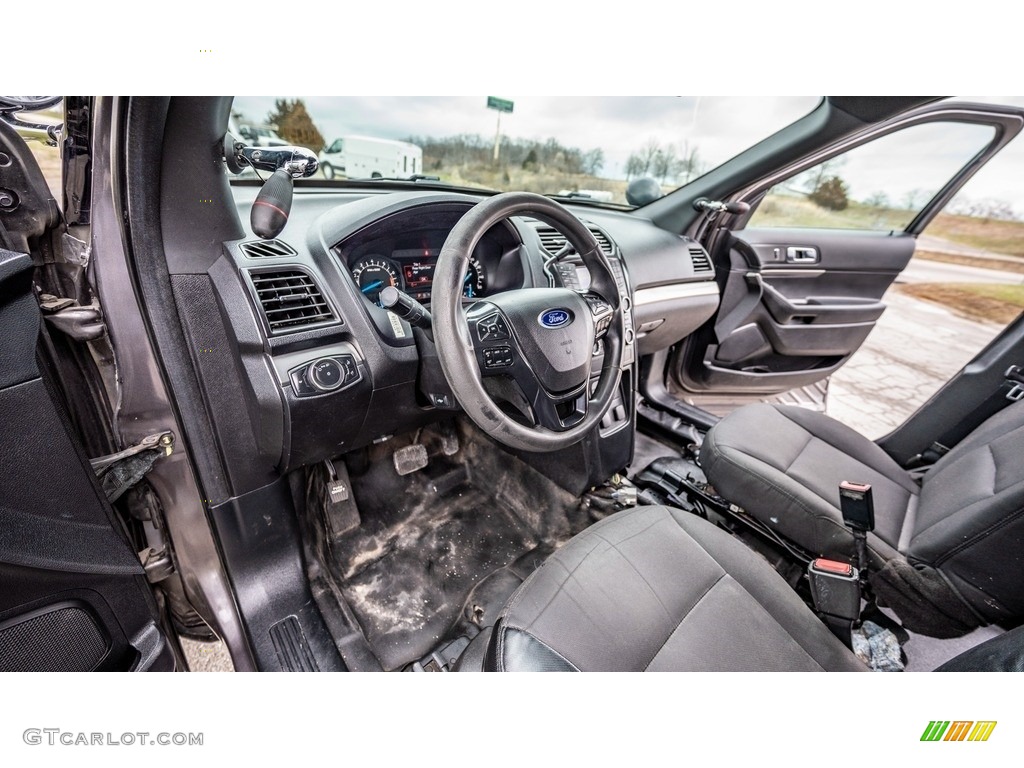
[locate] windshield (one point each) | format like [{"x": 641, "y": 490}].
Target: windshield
[{"x": 589, "y": 148}]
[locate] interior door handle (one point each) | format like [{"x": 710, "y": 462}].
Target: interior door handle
[{"x": 796, "y": 254}]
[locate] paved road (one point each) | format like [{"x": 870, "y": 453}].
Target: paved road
[
  {"x": 930, "y": 243},
  {"x": 914, "y": 349}
]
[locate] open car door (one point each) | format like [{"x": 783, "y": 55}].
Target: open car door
[
  {"x": 74, "y": 595},
  {"x": 804, "y": 271}
]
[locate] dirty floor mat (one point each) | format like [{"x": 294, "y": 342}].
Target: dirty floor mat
[{"x": 407, "y": 581}]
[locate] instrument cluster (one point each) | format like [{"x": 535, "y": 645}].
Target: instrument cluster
[{"x": 410, "y": 270}]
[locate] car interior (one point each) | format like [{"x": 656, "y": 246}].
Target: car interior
[{"x": 398, "y": 425}]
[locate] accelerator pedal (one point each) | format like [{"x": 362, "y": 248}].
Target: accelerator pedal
[{"x": 410, "y": 459}]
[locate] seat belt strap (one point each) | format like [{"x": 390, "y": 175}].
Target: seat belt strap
[{"x": 1011, "y": 390}]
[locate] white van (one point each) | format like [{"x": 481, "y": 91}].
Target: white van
[
  {"x": 363, "y": 157},
  {"x": 261, "y": 136}
]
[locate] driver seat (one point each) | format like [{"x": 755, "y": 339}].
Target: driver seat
[{"x": 947, "y": 550}]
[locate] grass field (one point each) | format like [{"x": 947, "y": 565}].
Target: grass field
[
  {"x": 540, "y": 180},
  {"x": 994, "y": 303},
  {"x": 1005, "y": 237},
  {"x": 797, "y": 211}
]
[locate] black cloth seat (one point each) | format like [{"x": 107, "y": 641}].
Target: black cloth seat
[
  {"x": 947, "y": 551},
  {"x": 659, "y": 589}
]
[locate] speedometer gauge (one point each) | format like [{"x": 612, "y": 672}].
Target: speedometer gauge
[
  {"x": 373, "y": 274},
  {"x": 476, "y": 279}
]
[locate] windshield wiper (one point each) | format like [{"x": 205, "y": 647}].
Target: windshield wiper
[
  {"x": 582, "y": 198},
  {"x": 415, "y": 180},
  {"x": 410, "y": 177}
]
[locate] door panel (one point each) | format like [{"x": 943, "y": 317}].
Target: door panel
[
  {"x": 797, "y": 304},
  {"x": 73, "y": 595},
  {"x": 823, "y": 239}
]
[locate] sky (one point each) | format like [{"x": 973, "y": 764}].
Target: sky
[{"x": 719, "y": 126}]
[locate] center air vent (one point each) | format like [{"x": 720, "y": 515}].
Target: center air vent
[
  {"x": 290, "y": 300},
  {"x": 701, "y": 260},
  {"x": 553, "y": 241},
  {"x": 266, "y": 249}
]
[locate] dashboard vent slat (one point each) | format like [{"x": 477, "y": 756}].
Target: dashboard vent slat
[
  {"x": 701, "y": 260},
  {"x": 290, "y": 299},
  {"x": 266, "y": 249},
  {"x": 552, "y": 241}
]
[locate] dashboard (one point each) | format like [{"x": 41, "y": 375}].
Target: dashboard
[{"x": 325, "y": 370}]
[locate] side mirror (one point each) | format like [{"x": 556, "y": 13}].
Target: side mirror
[{"x": 10, "y": 106}]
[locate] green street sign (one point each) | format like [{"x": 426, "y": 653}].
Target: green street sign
[{"x": 502, "y": 105}]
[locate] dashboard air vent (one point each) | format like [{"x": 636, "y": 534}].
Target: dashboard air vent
[
  {"x": 290, "y": 300},
  {"x": 266, "y": 249},
  {"x": 701, "y": 260},
  {"x": 553, "y": 241}
]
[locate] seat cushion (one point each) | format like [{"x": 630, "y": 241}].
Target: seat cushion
[
  {"x": 658, "y": 589},
  {"x": 783, "y": 465}
]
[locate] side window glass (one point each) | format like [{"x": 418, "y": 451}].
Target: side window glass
[
  {"x": 880, "y": 186},
  {"x": 48, "y": 157}
]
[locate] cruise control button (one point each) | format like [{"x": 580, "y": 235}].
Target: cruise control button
[{"x": 498, "y": 357}]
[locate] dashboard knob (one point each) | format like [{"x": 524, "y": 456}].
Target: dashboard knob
[{"x": 325, "y": 374}]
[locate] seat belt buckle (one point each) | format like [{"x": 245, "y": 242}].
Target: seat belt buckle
[
  {"x": 1015, "y": 376},
  {"x": 857, "y": 506},
  {"x": 835, "y": 589}
]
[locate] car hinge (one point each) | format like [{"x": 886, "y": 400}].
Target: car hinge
[
  {"x": 122, "y": 470},
  {"x": 157, "y": 564},
  {"x": 81, "y": 323}
]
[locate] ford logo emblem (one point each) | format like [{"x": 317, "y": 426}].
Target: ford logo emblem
[{"x": 555, "y": 318}]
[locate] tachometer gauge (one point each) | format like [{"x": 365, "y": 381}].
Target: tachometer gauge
[
  {"x": 476, "y": 279},
  {"x": 372, "y": 274}
]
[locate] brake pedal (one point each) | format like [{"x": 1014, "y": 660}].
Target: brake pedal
[{"x": 410, "y": 459}]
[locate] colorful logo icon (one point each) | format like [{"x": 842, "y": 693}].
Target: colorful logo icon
[
  {"x": 555, "y": 318},
  {"x": 958, "y": 730}
]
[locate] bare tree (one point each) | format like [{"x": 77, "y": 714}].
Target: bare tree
[
  {"x": 811, "y": 179},
  {"x": 988, "y": 208},
  {"x": 634, "y": 166},
  {"x": 593, "y": 161},
  {"x": 912, "y": 200},
  {"x": 877, "y": 200},
  {"x": 690, "y": 164},
  {"x": 664, "y": 163}
]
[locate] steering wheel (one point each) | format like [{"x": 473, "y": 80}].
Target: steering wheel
[{"x": 544, "y": 341}]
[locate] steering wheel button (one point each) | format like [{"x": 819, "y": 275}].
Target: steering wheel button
[
  {"x": 497, "y": 357},
  {"x": 492, "y": 328}
]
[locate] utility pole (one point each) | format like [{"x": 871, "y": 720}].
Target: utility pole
[
  {"x": 499, "y": 105},
  {"x": 497, "y": 140}
]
